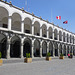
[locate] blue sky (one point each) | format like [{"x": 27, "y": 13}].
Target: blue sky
[{"x": 46, "y": 8}]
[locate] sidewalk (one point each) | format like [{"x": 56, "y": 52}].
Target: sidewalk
[{"x": 53, "y": 67}]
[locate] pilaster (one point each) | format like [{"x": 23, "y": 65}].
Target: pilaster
[
  {"x": 47, "y": 34},
  {"x": 32, "y": 52},
  {"x": 41, "y": 48},
  {"x": 22, "y": 26},
  {"x": 53, "y": 50},
  {"x": 22, "y": 49},
  {"x": 8, "y": 48},
  {"x": 9, "y": 22}
]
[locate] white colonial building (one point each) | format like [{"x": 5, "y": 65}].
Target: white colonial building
[{"x": 22, "y": 32}]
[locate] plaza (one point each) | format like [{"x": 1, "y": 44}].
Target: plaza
[{"x": 41, "y": 67}]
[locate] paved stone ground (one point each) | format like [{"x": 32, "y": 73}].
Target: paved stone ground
[{"x": 53, "y": 67}]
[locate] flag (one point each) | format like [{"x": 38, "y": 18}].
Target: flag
[
  {"x": 58, "y": 17},
  {"x": 65, "y": 22}
]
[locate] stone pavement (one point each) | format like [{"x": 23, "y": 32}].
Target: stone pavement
[{"x": 53, "y": 67}]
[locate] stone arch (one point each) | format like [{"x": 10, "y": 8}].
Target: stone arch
[
  {"x": 16, "y": 22},
  {"x": 3, "y": 17},
  {"x": 50, "y": 32},
  {"x": 15, "y": 50},
  {"x": 44, "y": 48},
  {"x": 27, "y": 47},
  {"x": 36, "y": 48},
  {"x": 27, "y": 25},
  {"x": 3, "y": 45},
  {"x": 55, "y": 34},
  {"x": 37, "y": 28},
  {"x": 51, "y": 48},
  {"x": 56, "y": 49},
  {"x": 44, "y": 30},
  {"x": 60, "y": 36}
]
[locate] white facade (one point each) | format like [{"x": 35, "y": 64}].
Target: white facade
[{"x": 22, "y": 32}]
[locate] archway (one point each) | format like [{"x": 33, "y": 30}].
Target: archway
[
  {"x": 63, "y": 36},
  {"x": 51, "y": 48},
  {"x": 15, "y": 47},
  {"x": 27, "y": 47},
  {"x": 44, "y": 30},
  {"x": 55, "y": 34},
  {"x": 44, "y": 49},
  {"x": 50, "y": 32},
  {"x": 67, "y": 37},
  {"x": 16, "y": 22},
  {"x": 36, "y": 48},
  {"x": 3, "y": 45},
  {"x": 37, "y": 28},
  {"x": 60, "y": 35},
  {"x": 27, "y": 25},
  {"x": 3, "y": 17},
  {"x": 56, "y": 49}
]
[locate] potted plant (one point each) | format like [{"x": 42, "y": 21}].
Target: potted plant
[
  {"x": 61, "y": 56},
  {"x": 28, "y": 59},
  {"x": 71, "y": 55},
  {"x": 48, "y": 58},
  {"x": 1, "y": 61}
]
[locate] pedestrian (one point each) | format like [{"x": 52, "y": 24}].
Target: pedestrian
[{"x": 68, "y": 55}]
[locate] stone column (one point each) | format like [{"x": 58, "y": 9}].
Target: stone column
[
  {"x": 32, "y": 29},
  {"x": 32, "y": 52},
  {"x": 62, "y": 37},
  {"x": 8, "y": 48},
  {"x": 58, "y": 50},
  {"x": 53, "y": 50},
  {"x": 62, "y": 49},
  {"x": 33, "y": 26},
  {"x": 47, "y": 47},
  {"x": 40, "y": 48},
  {"x": 47, "y": 34},
  {"x": 69, "y": 49},
  {"x": 9, "y": 22},
  {"x": 53, "y": 34},
  {"x": 22, "y": 49},
  {"x": 41, "y": 31},
  {"x": 66, "y": 50},
  {"x": 22, "y": 26}
]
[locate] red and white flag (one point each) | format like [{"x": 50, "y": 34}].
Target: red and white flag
[
  {"x": 58, "y": 17},
  {"x": 65, "y": 22}
]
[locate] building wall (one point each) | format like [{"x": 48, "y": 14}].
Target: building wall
[{"x": 25, "y": 28}]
